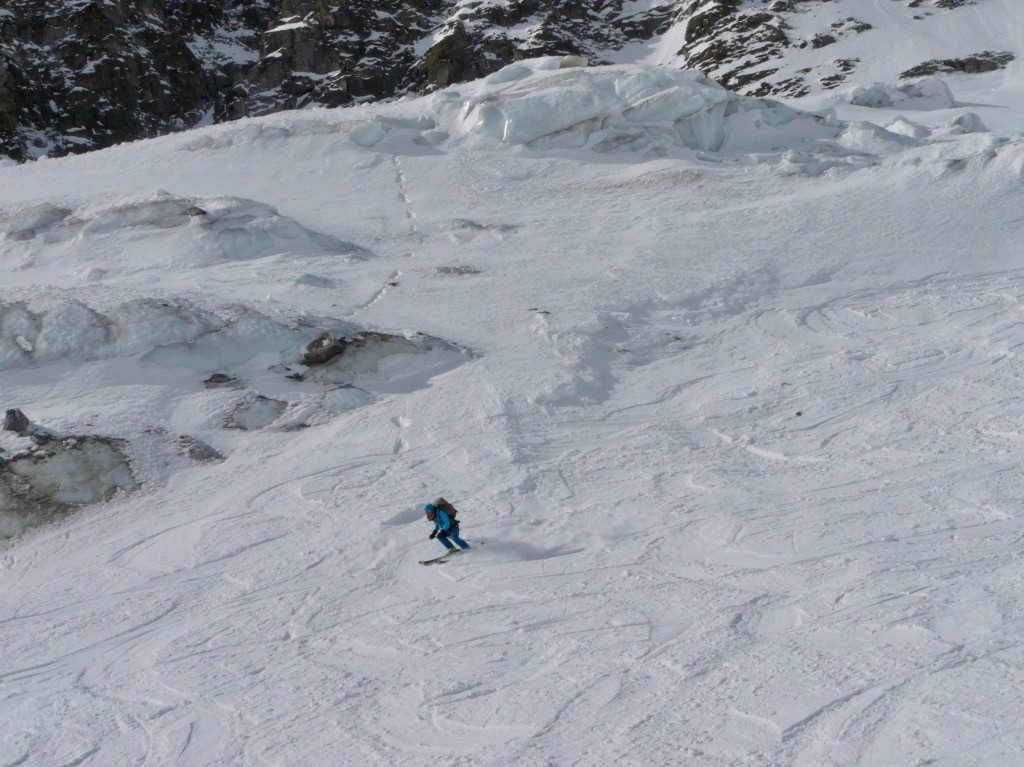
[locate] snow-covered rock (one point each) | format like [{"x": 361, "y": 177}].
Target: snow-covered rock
[
  {"x": 968, "y": 122},
  {"x": 179, "y": 333},
  {"x": 868, "y": 138}
]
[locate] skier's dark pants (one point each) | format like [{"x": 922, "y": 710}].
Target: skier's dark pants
[{"x": 443, "y": 539}]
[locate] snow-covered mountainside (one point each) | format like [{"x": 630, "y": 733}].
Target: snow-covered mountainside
[
  {"x": 726, "y": 391},
  {"x": 81, "y": 74}
]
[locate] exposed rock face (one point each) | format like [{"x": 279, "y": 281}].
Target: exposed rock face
[
  {"x": 82, "y": 74},
  {"x": 329, "y": 52},
  {"x": 88, "y": 74},
  {"x": 332, "y": 53},
  {"x": 74, "y": 77},
  {"x": 972, "y": 65}
]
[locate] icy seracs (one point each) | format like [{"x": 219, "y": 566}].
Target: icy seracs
[{"x": 625, "y": 108}]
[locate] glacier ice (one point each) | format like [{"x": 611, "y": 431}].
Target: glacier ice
[{"x": 627, "y": 108}]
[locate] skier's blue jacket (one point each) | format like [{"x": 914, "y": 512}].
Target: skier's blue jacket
[{"x": 442, "y": 522}]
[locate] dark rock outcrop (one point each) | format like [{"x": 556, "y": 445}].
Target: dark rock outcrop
[
  {"x": 979, "y": 63},
  {"x": 16, "y": 421},
  {"x": 323, "y": 348},
  {"x": 218, "y": 379},
  {"x": 77, "y": 76}
]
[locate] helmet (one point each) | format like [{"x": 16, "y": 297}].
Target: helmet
[{"x": 430, "y": 509}]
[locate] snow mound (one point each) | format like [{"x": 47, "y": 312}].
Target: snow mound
[
  {"x": 968, "y": 122},
  {"x": 868, "y": 138},
  {"x": 212, "y": 230},
  {"x": 557, "y": 102},
  {"x": 930, "y": 93},
  {"x": 365, "y": 133},
  {"x": 624, "y": 109}
]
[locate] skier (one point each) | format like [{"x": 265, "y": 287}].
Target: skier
[{"x": 446, "y": 526}]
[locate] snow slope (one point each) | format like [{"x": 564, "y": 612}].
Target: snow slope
[
  {"x": 820, "y": 49},
  {"x": 740, "y": 436}
]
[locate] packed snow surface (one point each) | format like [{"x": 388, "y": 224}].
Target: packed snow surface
[{"x": 731, "y": 414}]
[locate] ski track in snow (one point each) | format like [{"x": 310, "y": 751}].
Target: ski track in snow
[{"x": 746, "y": 466}]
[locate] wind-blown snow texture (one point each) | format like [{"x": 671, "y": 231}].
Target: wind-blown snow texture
[{"x": 742, "y": 434}]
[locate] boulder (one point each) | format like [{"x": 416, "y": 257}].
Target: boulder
[
  {"x": 16, "y": 421},
  {"x": 323, "y": 348}
]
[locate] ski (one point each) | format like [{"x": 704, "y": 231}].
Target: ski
[
  {"x": 435, "y": 561},
  {"x": 441, "y": 559}
]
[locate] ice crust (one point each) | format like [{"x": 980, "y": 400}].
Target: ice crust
[
  {"x": 72, "y": 331},
  {"x": 41, "y": 478},
  {"x": 257, "y": 414},
  {"x": 364, "y": 133}
]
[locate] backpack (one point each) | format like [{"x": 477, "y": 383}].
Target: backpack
[{"x": 448, "y": 509}]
